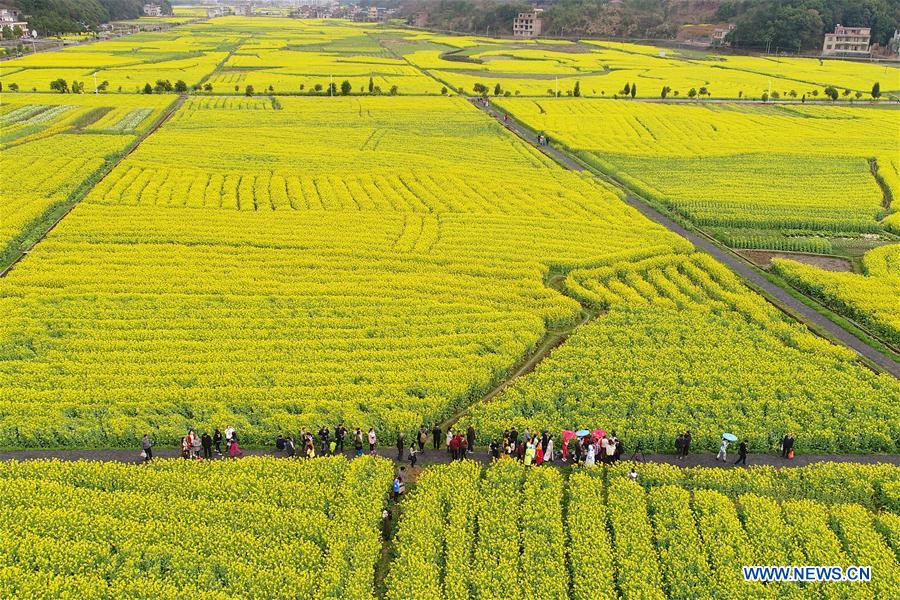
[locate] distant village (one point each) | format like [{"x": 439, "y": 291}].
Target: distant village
[
  {"x": 844, "y": 42},
  {"x": 304, "y": 9}
]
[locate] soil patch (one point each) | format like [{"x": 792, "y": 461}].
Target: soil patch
[{"x": 763, "y": 258}]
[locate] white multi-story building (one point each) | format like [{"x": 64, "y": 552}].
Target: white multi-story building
[
  {"x": 152, "y": 10},
  {"x": 9, "y": 17},
  {"x": 847, "y": 41},
  {"x": 528, "y": 24}
]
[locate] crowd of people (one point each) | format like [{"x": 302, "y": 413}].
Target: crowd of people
[{"x": 584, "y": 448}]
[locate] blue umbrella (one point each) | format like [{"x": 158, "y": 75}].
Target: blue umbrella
[
  {"x": 582, "y": 432},
  {"x": 730, "y": 437}
]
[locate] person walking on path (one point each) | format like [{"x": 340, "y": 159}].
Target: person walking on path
[
  {"x": 611, "y": 448},
  {"x": 358, "y": 442},
  {"x": 324, "y": 434},
  {"x": 453, "y": 446},
  {"x": 386, "y": 524},
  {"x": 195, "y": 445},
  {"x": 723, "y": 450},
  {"x": 539, "y": 454},
  {"x": 289, "y": 447},
  {"x": 422, "y": 438},
  {"x": 206, "y": 442},
  {"x": 463, "y": 448},
  {"x": 686, "y": 445},
  {"x": 412, "y": 455},
  {"x": 470, "y": 438},
  {"x": 591, "y": 456},
  {"x": 436, "y": 436},
  {"x": 147, "y": 447},
  {"x": 217, "y": 441},
  {"x": 787, "y": 446},
  {"x": 494, "y": 449},
  {"x": 679, "y": 445},
  {"x": 400, "y": 437},
  {"x": 548, "y": 453},
  {"x": 742, "y": 454},
  {"x": 233, "y": 449},
  {"x": 339, "y": 432},
  {"x": 229, "y": 433},
  {"x": 373, "y": 439},
  {"x": 449, "y": 441}
]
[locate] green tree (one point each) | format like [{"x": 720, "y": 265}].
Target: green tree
[
  {"x": 248, "y": 91},
  {"x": 703, "y": 91},
  {"x": 207, "y": 87},
  {"x": 692, "y": 93},
  {"x": 480, "y": 89},
  {"x": 444, "y": 90},
  {"x": 371, "y": 85},
  {"x": 103, "y": 86},
  {"x": 394, "y": 90},
  {"x": 317, "y": 87},
  {"x": 831, "y": 92},
  {"x": 498, "y": 90},
  {"x": 633, "y": 90},
  {"x": 876, "y": 90},
  {"x": 148, "y": 89},
  {"x": 665, "y": 92},
  {"x": 13, "y": 87},
  {"x": 765, "y": 96},
  {"x": 346, "y": 88},
  {"x": 180, "y": 86},
  {"x": 332, "y": 89},
  {"x": 627, "y": 89},
  {"x": 577, "y": 91}
]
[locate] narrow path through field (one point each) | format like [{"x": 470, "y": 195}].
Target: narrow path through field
[
  {"x": 777, "y": 295},
  {"x": 551, "y": 340}
]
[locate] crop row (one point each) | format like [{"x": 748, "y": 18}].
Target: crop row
[
  {"x": 621, "y": 539},
  {"x": 219, "y": 530}
]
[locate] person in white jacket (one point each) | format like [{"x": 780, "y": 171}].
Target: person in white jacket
[{"x": 723, "y": 450}]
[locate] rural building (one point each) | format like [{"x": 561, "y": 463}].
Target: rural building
[
  {"x": 243, "y": 10},
  {"x": 9, "y": 17},
  {"x": 528, "y": 24},
  {"x": 152, "y": 10},
  {"x": 706, "y": 34},
  {"x": 215, "y": 11},
  {"x": 847, "y": 41}
]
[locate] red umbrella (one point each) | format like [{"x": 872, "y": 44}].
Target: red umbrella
[
  {"x": 598, "y": 434},
  {"x": 567, "y": 435}
]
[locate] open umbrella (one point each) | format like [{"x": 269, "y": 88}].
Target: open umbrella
[
  {"x": 730, "y": 437},
  {"x": 598, "y": 434},
  {"x": 582, "y": 432}
]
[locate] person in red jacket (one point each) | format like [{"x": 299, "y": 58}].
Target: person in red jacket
[{"x": 454, "y": 446}]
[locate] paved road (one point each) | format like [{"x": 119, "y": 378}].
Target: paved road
[
  {"x": 736, "y": 263},
  {"x": 703, "y": 459}
]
